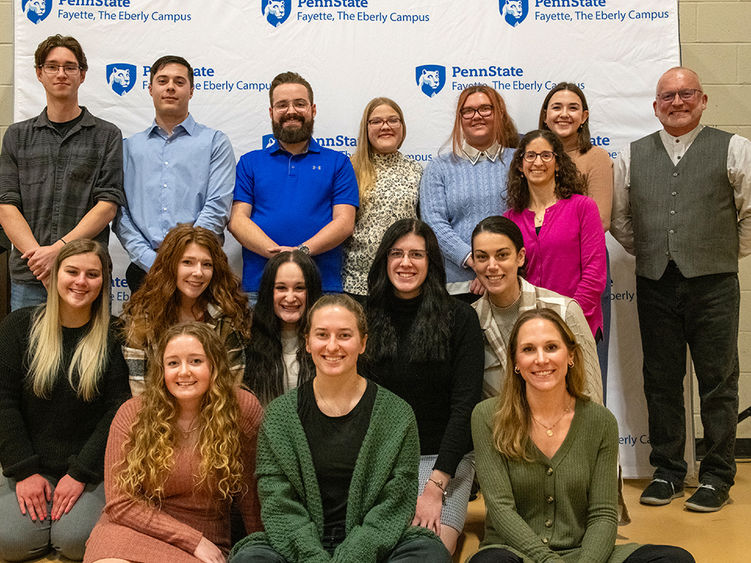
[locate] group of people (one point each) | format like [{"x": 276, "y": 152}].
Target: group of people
[{"x": 348, "y": 426}]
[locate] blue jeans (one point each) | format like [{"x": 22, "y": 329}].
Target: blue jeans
[
  {"x": 604, "y": 344},
  {"x": 26, "y": 295},
  {"x": 702, "y": 313}
]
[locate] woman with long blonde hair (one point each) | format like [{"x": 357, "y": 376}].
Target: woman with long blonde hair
[
  {"x": 388, "y": 182},
  {"x": 62, "y": 378},
  {"x": 178, "y": 455},
  {"x": 190, "y": 280},
  {"x": 547, "y": 458}
]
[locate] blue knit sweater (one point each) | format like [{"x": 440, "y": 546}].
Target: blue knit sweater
[{"x": 455, "y": 195}]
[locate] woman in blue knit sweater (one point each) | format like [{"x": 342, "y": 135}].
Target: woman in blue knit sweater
[{"x": 462, "y": 187}]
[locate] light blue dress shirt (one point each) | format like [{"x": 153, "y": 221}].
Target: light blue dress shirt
[{"x": 186, "y": 177}]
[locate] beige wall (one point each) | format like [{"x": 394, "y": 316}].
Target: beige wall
[{"x": 715, "y": 41}]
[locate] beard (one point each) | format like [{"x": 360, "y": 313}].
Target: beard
[{"x": 293, "y": 135}]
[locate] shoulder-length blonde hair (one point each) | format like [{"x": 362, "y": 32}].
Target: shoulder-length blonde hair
[
  {"x": 504, "y": 130},
  {"x": 362, "y": 160},
  {"x": 513, "y": 418},
  {"x": 150, "y": 446},
  {"x": 154, "y": 307},
  {"x": 46, "y": 334}
]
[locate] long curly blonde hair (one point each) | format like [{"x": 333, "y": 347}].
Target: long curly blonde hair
[{"x": 150, "y": 446}]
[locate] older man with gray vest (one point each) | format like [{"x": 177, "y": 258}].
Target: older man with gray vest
[{"x": 682, "y": 206}]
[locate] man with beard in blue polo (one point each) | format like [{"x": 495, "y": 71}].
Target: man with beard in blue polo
[{"x": 293, "y": 194}]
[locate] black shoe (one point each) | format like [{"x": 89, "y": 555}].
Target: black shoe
[
  {"x": 660, "y": 492},
  {"x": 707, "y": 498}
]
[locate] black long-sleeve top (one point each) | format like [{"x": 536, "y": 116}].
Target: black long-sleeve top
[
  {"x": 442, "y": 394},
  {"x": 61, "y": 433}
]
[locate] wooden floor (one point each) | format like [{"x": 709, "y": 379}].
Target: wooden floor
[{"x": 712, "y": 538}]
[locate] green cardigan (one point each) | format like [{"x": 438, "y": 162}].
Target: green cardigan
[
  {"x": 382, "y": 494},
  {"x": 559, "y": 509}
]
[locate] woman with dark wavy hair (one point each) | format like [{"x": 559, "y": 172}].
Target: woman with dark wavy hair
[
  {"x": 275, "y": 358},
  {"x": 461, "y": 187},
  {"x": 178, "y": 455},
  {"x": 426, "y": 347},
  {"x": 562, "y": 231},
  {"x": 190, "y": 280}
]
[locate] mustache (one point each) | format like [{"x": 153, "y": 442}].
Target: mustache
[{"x": 292, "y": 117}]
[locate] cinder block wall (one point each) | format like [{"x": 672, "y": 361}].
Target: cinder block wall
[{"x": 715, "y": 41}]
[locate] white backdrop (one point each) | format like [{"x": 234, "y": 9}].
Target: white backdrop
[{"x": 354, "y": 50}]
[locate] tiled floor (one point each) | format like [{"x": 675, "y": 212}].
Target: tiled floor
[{"x": 720, "y": 537}]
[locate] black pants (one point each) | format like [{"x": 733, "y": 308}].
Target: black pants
[
  {"x": 645, "y": 554},
  {"x": 134, "y": 275}
]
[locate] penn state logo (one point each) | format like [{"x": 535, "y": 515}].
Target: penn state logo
[
  {"x": 121, "y": 77},
  {"x": 36, "y": 10},
  {"x": 276, "y": 12},
  {"x": 430, "y": 79},
  {"x": 267, "y": 141},
  {"x": 513, "y": 11}
]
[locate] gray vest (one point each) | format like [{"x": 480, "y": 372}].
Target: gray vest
[{"x": 685, "y": 213}]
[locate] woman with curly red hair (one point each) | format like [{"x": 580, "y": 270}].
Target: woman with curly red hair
[{"x": 190, "y": 281}]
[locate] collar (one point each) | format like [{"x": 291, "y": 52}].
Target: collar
[
  {"x": 686, "y": 139},
  {"x": 188, "y": 125},
  {"x": 276, "y": 147},
  {"x": 474, "y": 156},
  {"x": 42, "y": 120}
]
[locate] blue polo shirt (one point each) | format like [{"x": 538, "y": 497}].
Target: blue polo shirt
[{"x": 293, "y": 197}]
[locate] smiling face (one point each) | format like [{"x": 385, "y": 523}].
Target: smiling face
[
  {"x": 194, "y": 271},
  {"x": 79, "y": 281},
  {"x": 385, "y": 138},
  {"x": 679, "y": 116},
  {"x": 565, "y": 113},
  {"x": 478, "y": 130},
  {"x": 187, "y": 372},
  {"x": 292, "y": 114},
  {"x": 60, "y": 85},
  {"x": 541, "y": 356},
  {"x": 496, "y": 265},
  {"x": 407, "y": 265},
  {"x": 171, "y": 91},
  {"x": 539, "y": 173},
  {"x": 290, "y": 295},
  {"x": 334, "y": 341}
]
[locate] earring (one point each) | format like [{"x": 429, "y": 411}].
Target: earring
[
  {"x": 571, "y": 364},
  {"x": 516, "y": 369}
]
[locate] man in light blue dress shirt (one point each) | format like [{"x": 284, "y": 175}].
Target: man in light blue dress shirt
[{"x": 176, "y": 171}]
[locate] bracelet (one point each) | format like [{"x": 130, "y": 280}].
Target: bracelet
[
  {"x": 439, "y": 484},
  {"x": 63, "y": 240}
]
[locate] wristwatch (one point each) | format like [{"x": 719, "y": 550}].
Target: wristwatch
[{"x": 304, "y": 249}]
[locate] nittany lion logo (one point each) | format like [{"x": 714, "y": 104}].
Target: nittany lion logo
[
  {"x": 267, "y": 141},
  {"x": 513, "y": 11},
  {"x": 430, "y": 79},
  {"x": 276, "y": 12},
  {"x": 36, "y": 10},
  {"x": 121, "y": 77}
]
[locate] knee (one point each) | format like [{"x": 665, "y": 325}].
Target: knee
[
  {"x": 20, "y": 538},
  {"x": 70, "y": 542},
  {"x": 257, "y": 554}
]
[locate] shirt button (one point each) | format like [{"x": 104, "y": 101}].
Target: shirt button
[
  {"x": 671, "y": 231},
  {"x": 548, "y": 523},
  {"x": 672, "y": 211},
  {"x": 545, "y": 541},
  {"x": 674, "y": 194},
  {"x": 549, "y": 499},
  {"x": 667, "y": 253},
  {"x": 166, "y": 163},
  {"x": 675, "y": 174},
  {"x": 164, "y": 185},
  {"x": 164, "y": 209},
  {"x": 550, "y": 470}
]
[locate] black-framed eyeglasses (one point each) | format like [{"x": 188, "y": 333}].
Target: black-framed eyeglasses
[
  {"x": 545, "y": 156},
  {"x": 53, "y": 68},
  {"x": 685, "y": 94},
  {"x": 300, "y": 104},
  {"x": 469, "y": 112},
  {"x": 415, "y": 255},
  {"x": 393, "y": 121}
]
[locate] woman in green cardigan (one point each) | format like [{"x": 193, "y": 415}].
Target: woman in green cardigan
[
  {"x": 337, "y": 460},
  {"x": 547, "y": 457}
]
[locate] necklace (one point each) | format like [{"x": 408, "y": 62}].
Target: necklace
[
  {"x": 191, "y": 428},
  {"x": 549, "y": 429},
  {"x": 337, "y": 411}
]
